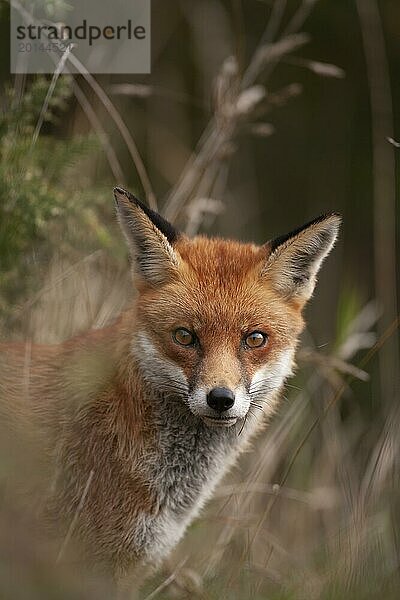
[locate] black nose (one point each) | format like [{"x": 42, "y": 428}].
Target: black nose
[{"x": 220, "y": 399}]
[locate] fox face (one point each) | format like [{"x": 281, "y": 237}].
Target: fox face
[{"x": 218, "y": 321}]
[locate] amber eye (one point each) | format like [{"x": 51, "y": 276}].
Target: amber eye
[
  {"x": 256, "y": 339},
  {"x": 183, "y": 337}
]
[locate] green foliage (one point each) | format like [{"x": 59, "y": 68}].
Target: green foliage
[
  {"x": 51, "y": 7},
  {"x": 38, "y": 182}
]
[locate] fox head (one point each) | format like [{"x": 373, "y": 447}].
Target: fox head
[{"x": 218, "y": 321}]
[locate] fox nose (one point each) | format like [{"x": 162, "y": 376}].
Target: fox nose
[{"x": 220, "y": 399}]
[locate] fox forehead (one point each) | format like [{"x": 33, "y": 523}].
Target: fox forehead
[
  {"x": 224, "y": 260},
  {"x": 220, "y": 289}
]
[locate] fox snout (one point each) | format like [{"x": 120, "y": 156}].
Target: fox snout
[
  {"x": 220, "y": 405},
  {"x": 220, "y": 399}
]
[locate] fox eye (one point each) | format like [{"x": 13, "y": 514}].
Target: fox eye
[
  {"x": 183, "y": 337},
  {"x": 256, "y": 339}
]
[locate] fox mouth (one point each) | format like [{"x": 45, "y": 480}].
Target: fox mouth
[{"x": 220, "y": 421}]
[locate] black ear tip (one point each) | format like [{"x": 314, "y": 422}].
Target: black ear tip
[
  {"x": 164, "y": 226},
  {"x": 332, "y": 219},
  {"x": 335, "y": 218},
  {"x": 119, "y": 191},
  {"x": 325, "y": 217},
  {"x": 336, "y": 215}
]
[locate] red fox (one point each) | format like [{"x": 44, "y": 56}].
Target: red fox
[{"x": 140, "y": 420}]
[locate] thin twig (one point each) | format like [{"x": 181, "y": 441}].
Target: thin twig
[
  {"x": 123, "y": 129},
  {"x": 299, "y": 17},
  {"x": 167, "y": 581},
  {"x": 58, "y": 70},
  {"x": 141, "y": 90},
  {"x": 274, "y": 22},
  {"x": 74, "y": 521},
  {"x": 95, "y": 122}
]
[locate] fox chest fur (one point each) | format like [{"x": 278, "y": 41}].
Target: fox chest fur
[{"x": 141, "y": 491}]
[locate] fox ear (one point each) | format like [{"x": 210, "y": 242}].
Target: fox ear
[
  {"x": 295, "y": 258},
  {"x": 150, "y": 238}
]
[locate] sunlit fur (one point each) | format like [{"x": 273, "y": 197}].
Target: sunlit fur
[{"x": 125, "y": 408}]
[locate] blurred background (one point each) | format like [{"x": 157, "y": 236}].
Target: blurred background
[{"x": 257, "y": 116}]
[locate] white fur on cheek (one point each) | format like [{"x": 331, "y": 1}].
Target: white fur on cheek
[
  {"x": 198, "y": 401},
  {"x": 156, "y": 368},
  {"x": 272, "y": 375},
  {"x": 242, "y": 402}
]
